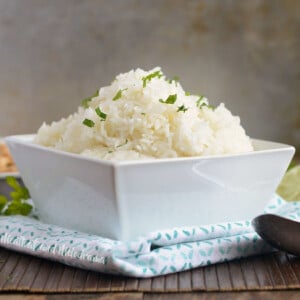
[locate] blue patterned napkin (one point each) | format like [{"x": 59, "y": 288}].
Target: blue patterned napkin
[{"x": 159, "y": 252}]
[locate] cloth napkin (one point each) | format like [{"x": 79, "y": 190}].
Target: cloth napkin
[{"x": 160, "y": 252}]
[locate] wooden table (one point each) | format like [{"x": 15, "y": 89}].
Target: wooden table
[{"x": 273, "y": 276}]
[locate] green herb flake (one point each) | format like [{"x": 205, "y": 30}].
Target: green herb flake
[
  {"x": 143, "y": 114},
  {"x": 182, "y": 108},
  {"x": 149, "y": 77},
  {"x": 187, "y": 93},
  {"x": 88, "y": 123},
  {"x": 101, "y": 114},
  {"x": 200, "y": 102},
  {"x": 110, "y": 151},
  {"x": 119, "y": 94},
  {"x": 85, "y": 102},
  {"x": 170, "y": 100}
]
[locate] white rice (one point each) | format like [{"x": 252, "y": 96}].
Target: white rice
[{"x": 139, "y": 126}]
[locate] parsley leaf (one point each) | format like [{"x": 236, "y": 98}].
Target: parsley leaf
[
  {"x": 149, "y": 77},
  {"x": 18, "y": 192},
  {"x": 119, "y": 94},
  {"x": 85, "y": 102},
  {"x": 88, "y": 123},
  {"x": 187, "y": 93},
  {"x": 182, "y": 108},
  {"x": 101, "y": 114},
  {"x": 18, "y": 208},
  {"x": 170, "y": 100},
  {"x": 200, "y": 102},
  {"x": 17, "y": 205}
]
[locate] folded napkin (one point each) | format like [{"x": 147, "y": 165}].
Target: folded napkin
[{"x": 159, "y": 252}]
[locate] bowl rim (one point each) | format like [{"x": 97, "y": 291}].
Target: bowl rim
[{"x": 267, "y": 147}]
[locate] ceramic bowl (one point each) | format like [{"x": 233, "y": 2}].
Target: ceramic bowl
[{"x": 123, "y": 200}]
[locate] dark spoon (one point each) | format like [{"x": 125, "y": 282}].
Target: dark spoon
[{"x": 279, "y": 232}]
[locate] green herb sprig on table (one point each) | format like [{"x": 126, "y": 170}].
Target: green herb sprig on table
[{"x": 18, "y": 204}]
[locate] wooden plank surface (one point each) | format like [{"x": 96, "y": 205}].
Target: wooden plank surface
[
  {"x": 258, "y": 295},
  {"x": 23, "y": 273}
]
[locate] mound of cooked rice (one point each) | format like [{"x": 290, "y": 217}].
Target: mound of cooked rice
[{"x": 143, "y": 115}]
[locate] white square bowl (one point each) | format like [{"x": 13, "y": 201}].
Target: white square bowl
[{"x": 123, "y": 200}]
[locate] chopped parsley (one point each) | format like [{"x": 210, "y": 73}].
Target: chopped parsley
[
  {"x": 118, "y": 94},
  {"x": 143, "y": 114},
  {"x": 101, "y": 114},
  {"x": 110, "y": 151},
  {"x": 201, "y": 103},
  {"x": 187, "y": 93},
  {"x": 85, "y": 102},
  {"x": 182, "y": 108},
  {"x": 149, "y": 77},
  {"x": 17, "y": 205},
  {"x": 88, "y": 123},
  {"x": 170, "y": 100}
]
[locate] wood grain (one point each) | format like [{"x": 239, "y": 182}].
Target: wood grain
[
  {"x": 23, "y": 273},
  {"x": 275, "y": 295}
]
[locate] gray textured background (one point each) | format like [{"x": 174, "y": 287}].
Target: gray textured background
[{"x": 244, "y": 53}]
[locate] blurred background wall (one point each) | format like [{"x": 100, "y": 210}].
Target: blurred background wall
[{"x": 244, "y": 53}]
